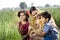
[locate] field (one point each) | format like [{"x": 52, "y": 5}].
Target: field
[{"x": 9, "y": 21}]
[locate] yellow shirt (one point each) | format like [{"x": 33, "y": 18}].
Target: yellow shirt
[{"x": 31, "y": 20}]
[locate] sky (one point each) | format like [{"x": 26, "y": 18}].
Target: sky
[{"x": 15, "y": 3}]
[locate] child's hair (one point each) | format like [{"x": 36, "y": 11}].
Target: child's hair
[
  {"x": 46, "y": 15},
  {"x": 25, "y": 13},
  {"x": 32, "y": 9}
]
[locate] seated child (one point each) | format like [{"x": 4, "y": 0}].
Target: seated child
[{"x": 49, "y": 32}]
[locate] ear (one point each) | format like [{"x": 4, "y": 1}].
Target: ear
[{"x": 47, "y": 19}]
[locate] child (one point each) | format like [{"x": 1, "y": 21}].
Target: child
[
  {"x": 49, "y": 32},
  {"x": 23, "y": 24}
]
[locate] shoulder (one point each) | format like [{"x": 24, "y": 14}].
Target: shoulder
[{"x": 47, "y": 26}]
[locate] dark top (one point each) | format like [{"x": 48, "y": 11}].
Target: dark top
[{"x": 23, "y": 30}]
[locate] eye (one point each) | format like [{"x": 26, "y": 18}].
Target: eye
[
  {"x": 35, "y": 13},
  {"x": 39, "y": 17}
]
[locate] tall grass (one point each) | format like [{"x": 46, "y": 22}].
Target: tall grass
[{"x": 8, "y": 26}]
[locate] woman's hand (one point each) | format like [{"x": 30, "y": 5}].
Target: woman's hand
[
  {"x": 32, "y": 33},
  {"x": 38, "y": 31}
]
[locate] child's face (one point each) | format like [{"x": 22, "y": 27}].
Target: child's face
[
  {"x": 22, "y": 16},
  {"x": 43, "y": 20}
]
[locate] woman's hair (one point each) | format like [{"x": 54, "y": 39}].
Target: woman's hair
[
  {"x": 25, "y": 13},
  {"x": 32, "y": 9}
]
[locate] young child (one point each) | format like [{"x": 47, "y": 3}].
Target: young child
[
  {"x": 49, "y": 32},
  {"x": 23, "y": 24}
]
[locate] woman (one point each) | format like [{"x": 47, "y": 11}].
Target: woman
[
  {"x": 23, "y": 24},
  {"x": 33, "y": 27}
]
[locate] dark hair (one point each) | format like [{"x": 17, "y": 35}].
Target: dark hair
[
  {"x": 25, "y": 13},
  {"x": 32, "y": 9},
  {"x": 46, "y": 15}
]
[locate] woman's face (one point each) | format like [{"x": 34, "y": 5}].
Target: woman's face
[
  {"x": 22, "y": 16},
  {"x": 34, "y": 13}
]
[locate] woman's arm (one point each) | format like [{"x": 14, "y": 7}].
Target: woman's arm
[{"x": 31, "y": 30}]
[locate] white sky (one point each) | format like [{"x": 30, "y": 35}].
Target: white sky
[{"x": 15, "y": 3}]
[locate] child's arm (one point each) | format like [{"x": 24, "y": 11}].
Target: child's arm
[{"x": 45, "y": 30}]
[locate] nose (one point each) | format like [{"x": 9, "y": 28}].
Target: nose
[{"x": 21, "y": 16}]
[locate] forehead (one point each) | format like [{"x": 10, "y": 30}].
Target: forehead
[
  {"x": 34, "y": 11},
  {"x": 42, "y": 17},
  {"x": 21, "y": 13}
]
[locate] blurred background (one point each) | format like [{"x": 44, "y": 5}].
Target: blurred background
[{"x": 9, "y": 19}]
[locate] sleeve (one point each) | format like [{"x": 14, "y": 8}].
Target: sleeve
[{"x": 46, "y": 28}]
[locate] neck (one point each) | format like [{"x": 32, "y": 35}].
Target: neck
[{"x": 23, "y": 22}]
